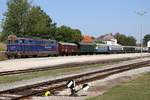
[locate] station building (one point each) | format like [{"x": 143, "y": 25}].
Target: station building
[{"x": 108, "y": 39}]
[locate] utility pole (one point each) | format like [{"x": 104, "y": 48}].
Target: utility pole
[{"x": 141, "y": 13}]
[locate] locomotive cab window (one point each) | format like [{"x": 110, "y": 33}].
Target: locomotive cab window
[
  {"x": 20, "y": 41},
  {"x": 52, "y": 42},
  {"x": 9, "y": 41}
]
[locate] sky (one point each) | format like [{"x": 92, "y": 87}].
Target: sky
[{"x": 96, "y": 17}]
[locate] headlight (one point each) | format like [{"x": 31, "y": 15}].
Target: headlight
[{"x": 109, "y": 48}]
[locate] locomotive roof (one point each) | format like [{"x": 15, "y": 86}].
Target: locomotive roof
[{"x": 34, "y": 39}]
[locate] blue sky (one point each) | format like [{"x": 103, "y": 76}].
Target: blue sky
[{"x": 96, "y": 17}]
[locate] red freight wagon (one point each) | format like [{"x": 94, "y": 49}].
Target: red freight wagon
[{"x": 67, "y": 48}]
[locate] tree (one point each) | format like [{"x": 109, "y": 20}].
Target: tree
[
  {"x": 24, "y": 20},
  {"x": 121, "y": 39},
  {"x": 2, "y": 37},
  {"x": 146, "y": 39},
  {"x": 67, "y": 34},
  {"x": 39, "y": 24},
  {"x": 76, "y": 35},
  {"x": 15, "y": 17},
  {"x": 131, "y": 41},
  {"x": 125, "y": 40}
]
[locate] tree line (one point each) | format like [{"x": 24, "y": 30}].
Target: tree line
[
  {"x": 125, "y": 40},
  {"x": 24, "y": 20},
  {"x": 130, "y": 40}
]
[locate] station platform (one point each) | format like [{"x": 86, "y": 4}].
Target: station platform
[{"x": 28, "y": 63}]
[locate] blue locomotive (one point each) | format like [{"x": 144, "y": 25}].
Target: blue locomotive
[{"x": 27, "y": 47}]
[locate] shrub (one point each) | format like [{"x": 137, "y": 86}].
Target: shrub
[{"x": 2, "y": 47}]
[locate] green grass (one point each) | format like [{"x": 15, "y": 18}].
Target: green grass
[
  {"x": 137, "y": 89},
  {"x": 52, "y": 73}
]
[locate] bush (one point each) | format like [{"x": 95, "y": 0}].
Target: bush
[
  {"x": 3, "y": 37},
  {"x": 2, "y": 47}
]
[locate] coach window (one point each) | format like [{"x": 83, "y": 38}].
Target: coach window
[
  {"x": 9, "y": 41},
  {"x": 16, "y": 41}
]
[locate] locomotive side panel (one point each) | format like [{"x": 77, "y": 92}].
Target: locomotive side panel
[{"x": 24, "y": 47}]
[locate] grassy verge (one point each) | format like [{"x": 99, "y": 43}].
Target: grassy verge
[
  {"x": 57, "y": 72},
  {"x": 2, "y": 48},
  {"x": 2, "y": 56},
  {"x": 137, "y": 89}
]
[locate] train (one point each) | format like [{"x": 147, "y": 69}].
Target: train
[{"x": 28, "y": 47}]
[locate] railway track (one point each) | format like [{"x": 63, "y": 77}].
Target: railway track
[
  {"x": 59, "y": 84},
  {"x": 69, "y": 65}
]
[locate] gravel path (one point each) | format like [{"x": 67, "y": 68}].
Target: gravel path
[{"x": 19, "y": 64}]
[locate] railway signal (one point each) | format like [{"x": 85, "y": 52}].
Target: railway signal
[
  {"x": 85, "y": 87},
  {"x": 71, "y": 84}
]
